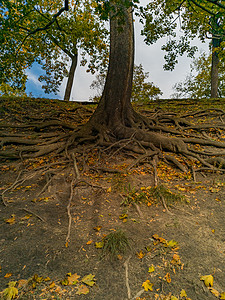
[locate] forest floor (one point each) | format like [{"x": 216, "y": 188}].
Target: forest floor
[{"x": 174, "y": 240}]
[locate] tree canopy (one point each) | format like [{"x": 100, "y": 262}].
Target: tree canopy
[{"x": 27, "y": 38}]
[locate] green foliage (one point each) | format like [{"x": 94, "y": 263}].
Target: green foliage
[
  {"x": 132, "y": 196},
  {"x": 160, "y": 191},
  {"x": 197, "y": 84},
  {"x": 26, "y": 38},
  {"x": 202, "y": 19},
  {"x": 142, "y": 91},
  {"x": 115, "y": 243}
]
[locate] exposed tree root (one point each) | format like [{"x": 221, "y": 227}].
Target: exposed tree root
[{"x": 160, "y": 135}]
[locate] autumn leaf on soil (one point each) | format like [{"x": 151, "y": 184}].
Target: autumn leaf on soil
[
  {"x": 11, "y": 220},
  {"x": 208, "y": 280},
  {"x": 11, "y": 292},
  {"x": 222, "y": 296},
  {"x": 109, "y": 190},
  {"x": 176, "y": 259},
  {"x": 171, "y": 243},
  {"x": 140, "y": 254},
  {"x": 168, "y": 278},
  {"x": 21, "y": 283},
  {"x": 214, "y": 292},
  {"x": 89, "y": 242},
  {"x": 183, "y": 294},
  {"x": 97, "y": 228},
  {"x": 82, "y": 290},
  {"x": 147, "y": 285},
  {"x": 173, "y": 298},
  {"x": 151, "y": 269},
  {"x": 123, "y": 216},
  {"x": 52, "y": 285},
  {"x": 73, "y": 278},
  {"x": 89, "y": 279},
  {"x": 99, "y": 245},
  {"x": 26, "y": 217}
]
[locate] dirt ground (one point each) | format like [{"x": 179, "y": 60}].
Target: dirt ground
[{"x": 172, "y": 245}]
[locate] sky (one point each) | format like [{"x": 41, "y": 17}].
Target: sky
[{"x": 151, "y": 57}]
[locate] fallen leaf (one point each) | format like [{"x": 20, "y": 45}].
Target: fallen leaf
[
  {"x": 151, "y": 269},
  {"x": 26, "y": 217},
  {"x": 171, "y": 243},
  {"x": 173, "y": 298},
  {"x": 97, "y": 228},
  {"x": 99, "y": 245},
  {"x": 183, "y": 294},
  {"x": 89, "y": 242},
  {"x": 11, "y": 220},
  {"x": 208, "y": 280},
  {"x": 147, "y": 285},
  {"x": 222, "y": 296},
  {"x": 82, "y": 290},
  {"x": 21, "y": 283},
  {"x": 168, "y": 278},
  {"x": 140, "y": 254},
  {"x": 214, "y": 292},
  {"x": 109, "y": 190},
  {"x": 7, "y": 275},
  {"x": 73, "y": 279},
  {"x": 11, "y": 292},
  {"x": 89, "y": 279},
  {"x": 123, "y": 216},
  {"x": 52, "y": 285}
]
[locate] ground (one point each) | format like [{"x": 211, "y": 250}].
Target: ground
[{"x": 50, "y": 225}]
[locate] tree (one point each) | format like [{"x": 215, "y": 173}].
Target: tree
[
  {"x": 197, "y": 84},
  {"x": 79, "y": 30},
  {"x": 115, "y": 123},
  {"x": 142, "y": 91},
  {"x": 202, "y": 19}
]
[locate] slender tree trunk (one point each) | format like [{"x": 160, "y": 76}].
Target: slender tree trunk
[
  {"x": 215, "y": 69},
  {"x": 115, "y": 108},
  {"x": 70, "y": 78}
]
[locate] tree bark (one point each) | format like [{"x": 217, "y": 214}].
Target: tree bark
[
  {"x": 69, "y": 84},
  {"x": 215, "y": 68},
  {"x": 115, "y": 108}
]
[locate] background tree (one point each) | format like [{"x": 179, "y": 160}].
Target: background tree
[
  {"x": 79, "y": 30},
  {"x": 202, "y": 19},
  {"x": 197, "y": 83},
  {"x": 142, "y": 91}
]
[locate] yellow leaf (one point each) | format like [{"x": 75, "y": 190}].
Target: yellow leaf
[
  {"x": 208, "y": 280},
  {"x": 123, "y": 216},
  {"x": 140, "y": 254},
  {"x": 89, "y": 279},
  {"x": 222, "y": 296},
  {"x": 171, "y": 243},
  {"x": 147, "y": 285},
  {"x": 214, "y": 292},
  {"x": 51, "y": 286},
  {"x": 73, "y": 279},
  {"x": 173, "y": 298},
  {"x": 25, "y": 217},
  {"x": 99, "y": 245},
  {"x": 7, "y": 275},
  {"x": 89, "y": 242},
  {"x": 11, "y": 292},
  {"x": 168, "y": 278},
  {"x": 151, "y": 269},
  {"x": 109, "y": 190},
  {"x": 183, "y": 293},
  {"x": 82, "y": 290},
  {"x": 97, "y": 228},
  {"x": 11, "y": 220}
]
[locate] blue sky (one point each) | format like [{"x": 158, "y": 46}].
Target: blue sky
[{"x": 151, "y": 57}]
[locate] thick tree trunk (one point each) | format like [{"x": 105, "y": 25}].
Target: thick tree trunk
[
  {"x": 115, "y": 108},
  {"x": 70, "y": 78}
]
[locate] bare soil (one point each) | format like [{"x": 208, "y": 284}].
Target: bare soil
[{"x": 36, "y": 238}]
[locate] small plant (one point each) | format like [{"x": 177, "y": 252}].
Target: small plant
[
  {"x": 134, "y": 197},
  {"x": 160, "y": 191},
  {"x": 115, "y": 243}
]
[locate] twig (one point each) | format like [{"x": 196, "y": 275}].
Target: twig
[
  {"x": 138, "y": 294},
  {"x": 138, "y": 210},
  {"x": 68, "y": 212},
  {"x": 126, "y": 275},
  {"x": 33, "y": 213},
  {"x": 12, "y": 186},
  {"x": 49, "y": 181},
  {"x": 165, "y": 206}
]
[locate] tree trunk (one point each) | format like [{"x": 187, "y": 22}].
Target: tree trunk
[
  {"x": 215, "y": 69},
  {"x": 115, "y": 108},
  {"x": 70, "y": 78}
]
